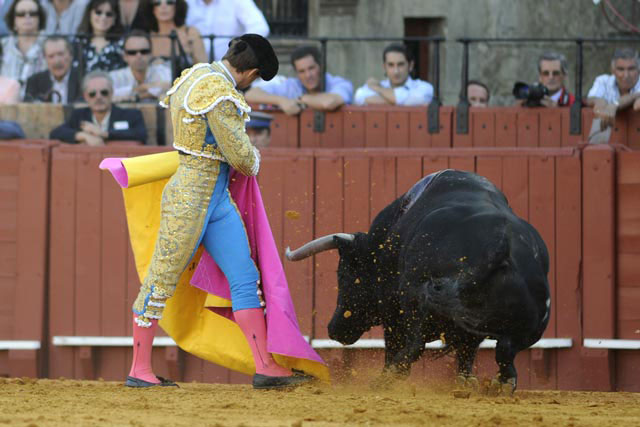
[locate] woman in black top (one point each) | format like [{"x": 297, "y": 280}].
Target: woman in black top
[{"x": 100, "y": 37}]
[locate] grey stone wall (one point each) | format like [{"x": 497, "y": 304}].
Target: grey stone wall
[{"x": 499, "y": 65}]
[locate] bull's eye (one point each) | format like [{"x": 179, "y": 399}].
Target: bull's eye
[{"x": 347, "y": 314}]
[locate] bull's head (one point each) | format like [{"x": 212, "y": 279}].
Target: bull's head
[{"x": 356, "y": 310}]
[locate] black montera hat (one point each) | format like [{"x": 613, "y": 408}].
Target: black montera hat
[{"x": 267, "y": 59}]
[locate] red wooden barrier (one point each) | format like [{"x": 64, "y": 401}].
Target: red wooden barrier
[{"x": 24, "y": 186}]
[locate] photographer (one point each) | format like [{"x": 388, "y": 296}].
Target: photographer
[{"x": 550, "y": 90}]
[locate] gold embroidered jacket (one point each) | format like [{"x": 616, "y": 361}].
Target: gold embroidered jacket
[{"x": 204, "y": 94}]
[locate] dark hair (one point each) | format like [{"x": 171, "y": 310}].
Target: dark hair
[
  {"x": 302, "y": 51},
  {"x": 116, "y": 30},
  {"x": 56, "y": 38},
  {"x": 179, "y": 17},
  {"x": 10, "y": 18},
  {"x": 482, "y": 85},
  {"x": 241, "y": 56},
  {"x": 137, "y": 33},
  {"x": 397, "y": 47}
]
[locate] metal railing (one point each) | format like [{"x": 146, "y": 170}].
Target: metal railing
[{"x": 575, "y": 122}]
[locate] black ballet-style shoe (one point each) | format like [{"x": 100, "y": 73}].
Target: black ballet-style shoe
[
  {"x": 138, "y": 383},
  {"x": 265, "y": 382}
]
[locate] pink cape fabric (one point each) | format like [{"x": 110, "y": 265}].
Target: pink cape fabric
[{"x": 283, "y": 332}]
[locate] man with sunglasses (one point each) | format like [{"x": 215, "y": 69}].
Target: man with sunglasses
[
  {"x": 141, "y": 80},
  {"x": 552, "y": 70},
  {"x": 101, "y": 121}
]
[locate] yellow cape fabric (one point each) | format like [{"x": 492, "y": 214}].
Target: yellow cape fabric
[{"x": 186, "y": 319}]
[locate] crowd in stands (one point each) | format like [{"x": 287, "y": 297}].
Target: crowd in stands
[{"x": 134, "y": 48}]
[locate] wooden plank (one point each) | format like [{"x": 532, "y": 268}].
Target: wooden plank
[
  {"x": 357, "y": 209},
  {"x": 515, "y": 185},
  {"x": 375, "y": 129},
  {"x": 298, "y": 229},
  {"x": 528, "y": 128},
  {"x": 567, "y": 139},
  {"x": 627, "y": 372},
  {"x": 308, "y": 138},
  {"x": 491, "y": 168},
  {"x": 567, "y": 304},
  {"x": 354, "y": 129},
  {"x": 598, "y": 242},
  {"x": 329, "y": 219},
  {"x": 550, "y": 128},
  {"x": 506, "y": 128},
  {"x": 398, "y": 129},
  {"x": 461, "y": 140},
  {"x": 628, "y": 270},
  {"x": 628, "y": 218},
  {"x": 382, "y": 183},
  {"x": 332, "y": 137},
  {"x": 7, "y": 295},
  {"x": 484, "y": 128},
  {"x": 619, "y": 130},
  {"x": 62, "y": 259},
  {"x": 443, "y": 139},
  {"x": 466, "y": 163},
  {"x": 434, "y": 164},
  {"x": 409, "y": 171},
  {"x": 633, "y": 130},
  {"x": 419, "y": 136}
]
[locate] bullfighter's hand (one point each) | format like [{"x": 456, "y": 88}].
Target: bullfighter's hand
[{"x": 290, "y": 106}]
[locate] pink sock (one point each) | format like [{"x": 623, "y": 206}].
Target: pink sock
[
  {"x": 142, "y": 345},
  {"x": 254, "y": 327}
]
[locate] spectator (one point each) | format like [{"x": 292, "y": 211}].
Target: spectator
[
  {"x": 613, "y": 92},
  {"x": 59, "y": 84},
  {"x": 9, "y": 91},
  {"x": 552, "y": 70},
  {"x": 101, "y": 121},
  {"x": 139, "y": 81},
  {"x": 166, "y": 16},
  {"x": 398, "y": 88},
  {"x": 294, "y": 94},
  {"x": 132, "y": 16},
  {"x": 259, "y": 129},
  {"x": 22, "y": 51},
  {"x": 100, "y": 37},
  {"x": 477, "y": 94},
  {"x": 225, "y": 18},
  {"x": 64, "y": 16}
]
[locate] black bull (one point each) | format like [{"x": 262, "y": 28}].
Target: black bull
[{"x": 449, "y": 259}]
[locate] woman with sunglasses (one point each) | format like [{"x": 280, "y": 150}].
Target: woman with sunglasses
[
  {"x": 22, "y": 51},
  {"x": 166, "y": 16},
  {"x": 100, "y": 37}
]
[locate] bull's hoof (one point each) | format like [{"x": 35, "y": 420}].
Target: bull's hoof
[
  {"x": 498, "y": 388},
  {"x": 468, "y": 383}
]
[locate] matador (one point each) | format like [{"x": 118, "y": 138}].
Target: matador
[{"x": 208, "y": 114}]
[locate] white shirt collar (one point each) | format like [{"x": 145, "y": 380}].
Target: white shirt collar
[{"x": 226, "y": 70}]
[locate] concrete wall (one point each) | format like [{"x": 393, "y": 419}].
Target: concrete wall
[{"x": 498, "y": 65}]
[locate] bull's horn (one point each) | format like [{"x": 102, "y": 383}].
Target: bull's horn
[{"x": 315, "y": 246}]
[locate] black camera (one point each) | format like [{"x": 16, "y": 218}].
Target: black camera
[{"x": 531, "y": 94}]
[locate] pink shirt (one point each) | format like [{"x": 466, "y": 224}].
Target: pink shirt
[{"x": 9, "y": 91}]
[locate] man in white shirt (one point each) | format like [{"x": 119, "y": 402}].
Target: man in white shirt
[
  {"x": 225, "y": 18},
  {"x": 613, "y": 92},
  {"x": 140, "y": 81},
  {"x": 398, "y": 88}
]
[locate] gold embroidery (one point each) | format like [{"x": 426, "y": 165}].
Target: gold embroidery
[{"x": 185, "y": 201}]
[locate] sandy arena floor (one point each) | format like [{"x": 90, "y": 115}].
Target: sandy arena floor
[{"x": 29, "y": 402}]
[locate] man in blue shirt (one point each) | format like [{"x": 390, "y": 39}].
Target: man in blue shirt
[
  {"x": 399, "y": 88},
  {"x": 294, "y": 94}
]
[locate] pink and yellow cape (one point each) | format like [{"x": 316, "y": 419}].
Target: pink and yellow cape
[{"x": 198, "y": 316}]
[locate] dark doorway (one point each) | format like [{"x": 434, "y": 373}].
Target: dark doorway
[{"x": 423, "y": 27}]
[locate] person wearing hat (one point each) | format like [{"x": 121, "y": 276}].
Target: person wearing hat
[
  {"x": 208, "y": 114},
  {"x": 259, "y": 128}
]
